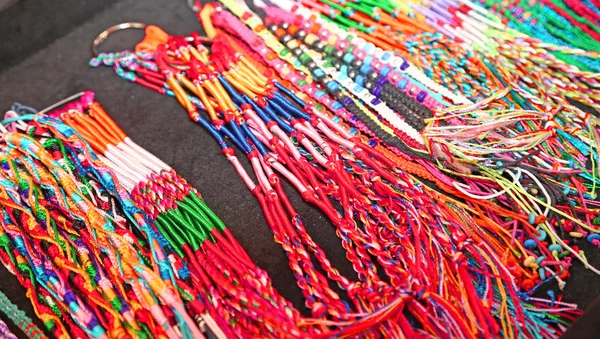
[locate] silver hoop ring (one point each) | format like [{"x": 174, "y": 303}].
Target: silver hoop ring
[{"x": 104, "y": 35}]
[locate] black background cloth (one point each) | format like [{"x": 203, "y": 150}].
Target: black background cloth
[{"x": 45, "y": 47}]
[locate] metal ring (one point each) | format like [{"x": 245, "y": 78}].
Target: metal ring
[
  {"x": 102, "y": 36},
  {"x": 62, "y": 102}
]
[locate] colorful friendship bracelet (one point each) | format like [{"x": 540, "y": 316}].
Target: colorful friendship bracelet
[
  {"x": 5, "y": 332},
  {"x": 19, "y": 318}
]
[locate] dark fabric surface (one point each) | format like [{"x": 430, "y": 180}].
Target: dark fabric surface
[
  {"x": 55, "y": 68},
  {"x": 29, "y": 25},
  {"x": 587, "y": 326}
]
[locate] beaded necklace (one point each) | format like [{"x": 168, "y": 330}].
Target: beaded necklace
[{"x": 217, "y": 80}]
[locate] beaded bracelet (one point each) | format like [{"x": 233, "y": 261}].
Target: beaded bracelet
[
  {"x": 441, "y": 59},
  {"x": 401, "y": 65}
]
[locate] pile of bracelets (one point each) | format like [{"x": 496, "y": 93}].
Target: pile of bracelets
[
  {"x": 80, "y": 293},
  {"x": 90, "y": 260},
  {"x": 224, "y": 288},
  {"x": 503, "y": 55},
  {"x": 448, "y": 143},
  {"x": 239, "y": 308},
  {"x": 567, "y": 23},
  {"x": 297, "y": 99}
]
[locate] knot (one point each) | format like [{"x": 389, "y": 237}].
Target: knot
[
  {"x": 256, "y": 191},
  {"x": 530, "y": 262},
  {"x": 260, "y": 101},
  {"x": 421, "y": 293},
  {"x": 228, "y": 152},
  {"x": 229, "y": 115},
  {"x": 273, "y": 179},
  {"x": 550, "y": 126}
]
